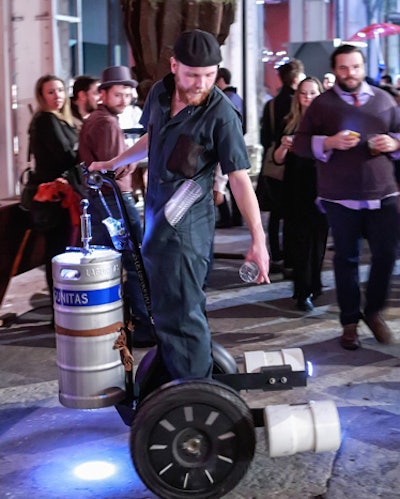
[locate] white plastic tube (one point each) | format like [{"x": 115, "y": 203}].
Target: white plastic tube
[
  {"x": 314, "y": 426},
  {"x": 293, "y": 357}
]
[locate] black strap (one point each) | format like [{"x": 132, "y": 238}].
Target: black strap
[
  {"x": 29, "y": 151},
  {"x": 26, "y": 177}
]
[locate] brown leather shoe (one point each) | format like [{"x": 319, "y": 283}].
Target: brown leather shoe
[
  {"x": 349, "y": 340},
  {"x": 379, "y": 327}
]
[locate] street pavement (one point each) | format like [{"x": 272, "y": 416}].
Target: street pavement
[{"x": 41, "y": 441}]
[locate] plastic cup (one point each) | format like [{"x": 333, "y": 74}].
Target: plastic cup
[
  {"x": 249, "y": 272},
  {"x": 182, "y": 199}
]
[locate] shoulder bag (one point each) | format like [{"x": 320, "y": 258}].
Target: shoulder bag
[
  {"x": 44, "y": 215},
  {"x": 269, "y": 167},
  {"x": 29, "y": 185}
]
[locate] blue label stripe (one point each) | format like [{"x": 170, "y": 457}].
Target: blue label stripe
[{"x": 71, "y": 298}]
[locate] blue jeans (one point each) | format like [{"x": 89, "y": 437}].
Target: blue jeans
[{"x": 381, "y": 228}]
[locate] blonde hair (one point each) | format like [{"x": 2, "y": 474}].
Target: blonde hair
[
  {"x": 65, "y": 112},
  {"x": 294, "y": 117}
]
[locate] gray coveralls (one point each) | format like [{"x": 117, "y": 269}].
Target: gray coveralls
[{"x": 188, "y": 145}]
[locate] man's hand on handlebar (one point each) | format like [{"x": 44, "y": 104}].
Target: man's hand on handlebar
[
  {"x": 101, "y": 166},
  {"x": 123, "y": 171}
]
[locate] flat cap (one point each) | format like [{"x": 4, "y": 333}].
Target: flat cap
[{"x": 197, "y": 49}]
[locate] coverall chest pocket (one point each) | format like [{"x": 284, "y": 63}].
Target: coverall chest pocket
[{"x": 184, "y": 158}]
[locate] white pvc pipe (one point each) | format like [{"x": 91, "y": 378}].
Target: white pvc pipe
[
  {"x": 293, "y": 357},
  {"x": 300, "y": 428}
]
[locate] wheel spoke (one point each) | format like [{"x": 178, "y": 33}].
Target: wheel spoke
[
  {"x": 158, "y": 447},
  {"x": 185, "y": 481},
  {"x": 227, "y": 435},
  {"x": 188, "y": 414},
  {"x": 225, "y": 458},
  {"x": 167, "y": 425},
  {"x": 212, "y": 418},
  {"x": 208, "y": 475},
  {"x": 164, "y": 470}
]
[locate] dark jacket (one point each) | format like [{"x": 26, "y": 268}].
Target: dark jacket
[
  {"x": 53, "y": 144},
  {"x": 231, "y": 93},
  {"x": 282, "y": 103}
]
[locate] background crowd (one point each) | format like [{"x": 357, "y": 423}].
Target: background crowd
[{"x": 303, "y": 196}]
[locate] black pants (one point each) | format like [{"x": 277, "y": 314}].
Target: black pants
[
  {"x": 309, "y": 240},
  {"x": 381, "y": 229}
]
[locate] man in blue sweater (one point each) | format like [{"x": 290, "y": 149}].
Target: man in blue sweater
[{"x": 356, "y": 186}]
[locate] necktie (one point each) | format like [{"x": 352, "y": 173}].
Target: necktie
[{"x": 355, "y": 97}]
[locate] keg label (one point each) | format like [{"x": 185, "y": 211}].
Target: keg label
[
  {"x": 102, "y": 271},
  {"x": 89, "y": 298}
]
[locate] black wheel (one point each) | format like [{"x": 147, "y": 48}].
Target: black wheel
[
  {"x": 146, "y": 365},
  {"x": 192, "y": 438},
  {"x": 151, "y": 373},
  {"x": 224, "y": 363}
]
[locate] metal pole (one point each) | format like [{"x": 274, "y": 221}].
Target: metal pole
[
  {"x": 244, "y": 57},
  {"x": 339, "y": 9}
]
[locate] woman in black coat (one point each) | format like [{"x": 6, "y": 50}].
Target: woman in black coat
[
  {"x": 306, "y": 224},
  {"x": 53, "y": 142}
]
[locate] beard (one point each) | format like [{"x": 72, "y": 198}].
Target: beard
[
  {"x": 349, "y": 84},
  {"x": 115, "y": 109},
  {"x": 89, "y": 108},
  {"x": 191, "y": 97}
]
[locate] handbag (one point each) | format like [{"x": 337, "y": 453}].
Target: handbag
[
  {"x": 44, "y": 216},
  {"x": 269, "y": 167},
  {"x": 29, "y": 183},
  {"x": 28, "y": 180}
]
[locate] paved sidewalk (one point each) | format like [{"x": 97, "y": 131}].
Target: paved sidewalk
[{"x": 41, "y": 441}]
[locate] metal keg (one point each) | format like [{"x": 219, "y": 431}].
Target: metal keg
[{"x": 88, "y": 314}]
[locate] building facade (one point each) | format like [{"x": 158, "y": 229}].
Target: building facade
[{"x": 71, "y": 37}]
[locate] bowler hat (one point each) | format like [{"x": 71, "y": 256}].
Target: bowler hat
[
  {"x": 117, "y": 75},
  {"x": 197, "y": 49}
]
